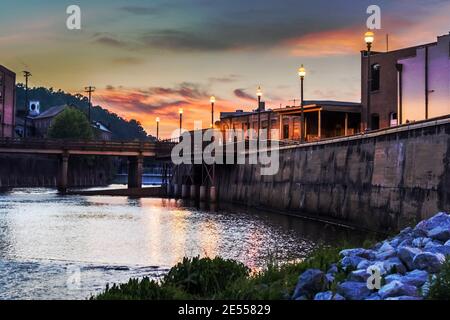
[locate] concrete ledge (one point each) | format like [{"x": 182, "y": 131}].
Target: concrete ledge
[{"x": 156, "y": 192}]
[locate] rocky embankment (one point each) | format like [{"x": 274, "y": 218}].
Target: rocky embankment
[{"x": 404, "y": 267}]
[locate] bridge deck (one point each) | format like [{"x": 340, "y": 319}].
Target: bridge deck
[{"x": 77, "y": 147}]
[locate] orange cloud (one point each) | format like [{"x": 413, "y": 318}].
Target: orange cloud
[{"x": 145, "y": 105}]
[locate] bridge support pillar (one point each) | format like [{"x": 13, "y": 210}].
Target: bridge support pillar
[
  {"x": 212, "y": 194},
  {"x": 177, "y": 190},
  {"x": 193, "y": 192},
  {"x": 203, "y": 196},
  {"x": 63, "y": 171},
  {"x": 135, "y": 171},
  {"x": 185, "y": 190},
  {"x": 169, "y": 189}
]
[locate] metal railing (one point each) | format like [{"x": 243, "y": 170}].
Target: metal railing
[{"x": 85, "y": 145}]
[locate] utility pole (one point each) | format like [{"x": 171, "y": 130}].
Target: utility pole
[
  {"x": 294, "y": 101},
  {"x": 26, "y": 74},
  {"x": 89, "y": 90}
]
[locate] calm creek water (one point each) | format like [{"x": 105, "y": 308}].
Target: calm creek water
[{"x": 70, "y": 247}]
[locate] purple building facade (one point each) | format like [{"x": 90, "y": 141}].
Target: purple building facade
[{"x": 7, "y": 102}]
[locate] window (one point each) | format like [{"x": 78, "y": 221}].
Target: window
[
  {"x": 375, "y": 73},
  {"x": 375, "y": 121},
  {"x": 393, "y": 119}
]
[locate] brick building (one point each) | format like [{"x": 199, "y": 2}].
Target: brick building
[
  {"x": 406, "y": 85},
  {"x": 7, "y": 102},
  {"x": 323, "y": 119}
]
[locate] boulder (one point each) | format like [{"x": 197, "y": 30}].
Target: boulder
[
  {"x": 432, "y": 244},
  {"x": 328, "y": 295},
  {"x": 333, "y": 269},
  {"x": 444, "y": 250},
  {"x": 394, "y": 265},
  {"x": 364, "y": 264},
  {"x": 395, "y": 242},
  {"x": 441, "y": 233},
  {"x": 415, "y": 278},
  {"x": 408, "y": 242},
  {"x": 309, "y": 283},
  {"x": 431, "y": 262},
  {"x": 380, "y": 266},
  {"x": 353, "y": 290},
  {"x": 374, "y": 296},
  {"x": 407, "y": 230},
  {"x": 440, "y": 220},
  {"x": 386, "y": 251},
  {"x": 404, "y": 298},
  {"x": 397, "y": 289},
  {"x": 406, "y": 255},
  {"x": 419, "y": 233},
  {"x": 358, "y": 252},
  {"x": 359, "y": 276},
  {"x": 421, "y": 242},
  {"x": 329, "y": 277},
  {"x": 393, "y": 277},
  {"x": 351, "y": 262}
]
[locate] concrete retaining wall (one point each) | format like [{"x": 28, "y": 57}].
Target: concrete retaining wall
[{"x": 380, "y": 181}]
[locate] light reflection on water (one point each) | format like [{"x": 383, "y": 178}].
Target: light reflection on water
[{"x": 114, "y": 238}]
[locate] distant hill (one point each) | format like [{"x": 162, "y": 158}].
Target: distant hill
[{"x": 122, "y": 129}]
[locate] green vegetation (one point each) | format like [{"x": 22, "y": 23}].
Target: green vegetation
[
  {"x": 440, "y": 287},
  {"x": 71, "y": 124},
  {"x": 221, "y": 279},
  {"x": 121, "y": 129}
]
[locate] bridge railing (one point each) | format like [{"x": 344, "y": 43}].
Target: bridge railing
[{"x": 36, "y": 143}]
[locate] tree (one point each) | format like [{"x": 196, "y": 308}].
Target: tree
[{"x": 71, "y": 124}]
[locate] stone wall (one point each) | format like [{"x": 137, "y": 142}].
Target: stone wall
[{"x": 381, "y": 181}]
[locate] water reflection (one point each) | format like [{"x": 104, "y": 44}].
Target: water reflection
[{"x": 41, "y": 227}]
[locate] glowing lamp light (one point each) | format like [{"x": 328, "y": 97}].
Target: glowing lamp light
[
  {"x": 259, "y": 92},
  {"x": 302, "y": 72},
  {"x": 180, "y": 111},
  {"x": 212, "y": 99},
  {"x": 369, "y": 37},
  {"x": 158, "y": 120}
]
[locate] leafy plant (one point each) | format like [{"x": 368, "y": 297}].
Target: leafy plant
[
  {"x": 440, "y": 286},
  {"x": 205, "y": 277}
]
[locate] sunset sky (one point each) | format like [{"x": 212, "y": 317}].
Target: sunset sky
[{"x": 149, "y": 58}]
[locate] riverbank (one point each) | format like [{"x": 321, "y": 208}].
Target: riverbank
[{"x": 414, "y": 265}]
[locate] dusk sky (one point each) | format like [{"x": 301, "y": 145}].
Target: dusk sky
[{"x": 148, "y": 58}]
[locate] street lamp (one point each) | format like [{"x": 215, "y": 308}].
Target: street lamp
[
  {"x": 259, "y": 95},
  {"x": 180, "y": 111},
  {"x": 157, "y": 128},
  {"x": 213, "y": 101},
  {"x": 302, "y": 75},
  {"x": 369, "y": 38}
]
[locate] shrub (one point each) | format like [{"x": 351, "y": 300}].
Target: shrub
[
  {"x": 205, "y": 277},
  {"x": 440, "y": 286}
]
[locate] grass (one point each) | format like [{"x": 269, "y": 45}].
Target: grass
[
  {"x": 221, "y": 279},
  {"x": 200, "y": 279}
]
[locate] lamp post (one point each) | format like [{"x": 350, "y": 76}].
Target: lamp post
[
  {"x": 157, "y": 128},
  {"x": 302, "y": 74},
  {"x": 213, "y": 101},
  {"x": 259, "y": 95},
  {"x": 369, "y": 37},
  {"x": 180, "y": 111}
]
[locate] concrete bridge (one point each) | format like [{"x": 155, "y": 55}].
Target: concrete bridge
[{"x": 136, "y": 151}]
